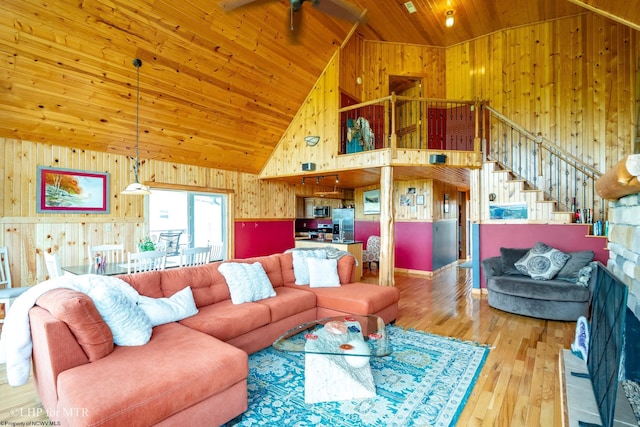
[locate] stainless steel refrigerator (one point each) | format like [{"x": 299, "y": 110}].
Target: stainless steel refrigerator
[{"x": 343, "y": 225}]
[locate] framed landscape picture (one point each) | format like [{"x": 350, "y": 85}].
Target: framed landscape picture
[
  {"x": 508, "y": 211},
  {"x": 71, "y": 191},
  {"x": 372, "y": 202}
]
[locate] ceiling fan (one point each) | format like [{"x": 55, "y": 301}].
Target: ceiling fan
[{"x": 341, "y": 9}]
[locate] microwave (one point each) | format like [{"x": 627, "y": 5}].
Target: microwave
[{"x": 321, "y": 212}]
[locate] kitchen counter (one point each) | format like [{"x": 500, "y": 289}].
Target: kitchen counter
[{"x": 354, "y": 247}]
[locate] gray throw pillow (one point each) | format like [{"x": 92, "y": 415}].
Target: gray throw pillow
[
  {"x": 542, "y": 262},
  {"x": 571, "y": 270},
  {"x": 509, "y": 256}
]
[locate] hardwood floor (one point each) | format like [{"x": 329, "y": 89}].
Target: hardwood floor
[{"x": 518, "y": 385}]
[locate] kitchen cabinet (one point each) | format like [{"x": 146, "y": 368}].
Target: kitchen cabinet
[
  {"x": 354, "y": 248},
  {"x": 300, "y": 212},
  {"x": 308, "y": 207},
  {"x": 304, "y": 206}
]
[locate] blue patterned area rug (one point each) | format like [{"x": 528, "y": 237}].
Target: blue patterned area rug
[{"x": 425, "y": 382}]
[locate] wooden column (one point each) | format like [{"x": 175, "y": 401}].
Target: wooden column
[{"x": 387, "y": 231}]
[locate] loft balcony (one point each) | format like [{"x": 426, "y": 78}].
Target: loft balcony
[{"x": 420, "y": 138}]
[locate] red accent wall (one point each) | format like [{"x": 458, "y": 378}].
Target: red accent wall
[
  {"x": 258, "y": 238},
  {"x": 565, "y": 237},
  {"x": 412, "y": 242},
  {"x": 413, "y": 245},
  {"x": 364, "y": 229}
]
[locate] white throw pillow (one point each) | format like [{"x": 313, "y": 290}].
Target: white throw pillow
[
  {"x": 300, "y": 267},
  {"x": 247, "y": 282},
  {"x": 165, "y": 310},
  {"x": 128, "y": 323},
  {"x": 323, "y": 273}
]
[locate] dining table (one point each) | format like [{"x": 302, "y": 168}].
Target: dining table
[{"x": 109, "y": 269}]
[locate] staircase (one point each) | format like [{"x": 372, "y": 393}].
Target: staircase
[
  {"x": 525, "y": 168},
  {"x": 510, "y": 190}
]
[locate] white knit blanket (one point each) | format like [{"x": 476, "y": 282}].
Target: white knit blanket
[{"x": 15, "y": 341}]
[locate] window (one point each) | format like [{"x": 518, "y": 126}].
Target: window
[{"x": 200, "y": 217}]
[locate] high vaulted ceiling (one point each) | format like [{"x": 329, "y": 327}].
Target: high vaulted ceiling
[{"x": 217, "y": 89}]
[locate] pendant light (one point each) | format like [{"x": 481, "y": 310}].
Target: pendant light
[{"x": 136, "y": 187}]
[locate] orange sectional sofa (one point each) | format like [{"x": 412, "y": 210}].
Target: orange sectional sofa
[{"x": 191, "y": 372}]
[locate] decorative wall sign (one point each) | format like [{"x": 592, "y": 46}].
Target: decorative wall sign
[
  {"x": 71, "y": 191},
  {"x": 508, "y": 211},
  {"x": 371, "y": 202}
]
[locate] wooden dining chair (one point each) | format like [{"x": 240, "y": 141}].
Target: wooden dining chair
[
  {"x": 112, "y": 253},
  {"x": 195, "y": 256},
  {"x": 52, "y": 261},
  {"x": 146, "y": 261},
  {"x": 7, "y": 293}
]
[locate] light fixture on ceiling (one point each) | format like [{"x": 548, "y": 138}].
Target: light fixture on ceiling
[
  {"x": 337, "y": 179},
  {"x": 136, "y": 187},
  {"x": 448, "y": 20},
  {"x": 410, "y": 7},
  {"x": 302, "y": 180}
]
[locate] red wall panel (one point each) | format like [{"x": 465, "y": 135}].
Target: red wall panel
[
  {"x": 413, "y": 245},
  {"x": 364, "y": 229},
  {"x": 258, "y": 238}
]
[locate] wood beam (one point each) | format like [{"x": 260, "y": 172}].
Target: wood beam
[
  {"x": 621, "y": 180},
  {"x": 606, "y": 14},
  {"x": 387, "y": 230}
]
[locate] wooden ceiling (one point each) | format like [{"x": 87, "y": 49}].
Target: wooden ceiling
[{"x": 216, "y": 89}]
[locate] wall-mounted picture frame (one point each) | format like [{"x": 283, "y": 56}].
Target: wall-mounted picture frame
[
  {"x": 371, "y": 202},
  {"x": 508, "y": 211},
  {"x": 446, "y": 203},
  {"x": 419, "y": 199},
  {"x": 71, "y": 191}
]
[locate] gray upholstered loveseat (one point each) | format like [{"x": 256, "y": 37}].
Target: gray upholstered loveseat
[{"x": 565, "y": 297}]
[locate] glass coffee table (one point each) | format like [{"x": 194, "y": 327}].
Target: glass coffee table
[{"x": 337, "y": 352}]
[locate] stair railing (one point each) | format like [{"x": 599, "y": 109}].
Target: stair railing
[{"x": 562, "y": 176}]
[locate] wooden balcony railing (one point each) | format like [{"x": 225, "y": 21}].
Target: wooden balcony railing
[{"x": 409, "y": 123}]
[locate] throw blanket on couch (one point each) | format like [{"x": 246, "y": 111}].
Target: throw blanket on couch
[
  {"x": 332, "y": 253},
  {"x": 300, "y": 256},
  {"x": 15, "y": 341}
]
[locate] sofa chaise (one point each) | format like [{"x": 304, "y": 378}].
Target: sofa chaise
[
  {"x": 564, "y": 297},
  {"x": 191, "y": 372}
]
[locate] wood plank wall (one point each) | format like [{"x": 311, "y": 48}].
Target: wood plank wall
[
  {"x": 28, "y": 234},
  {"x": 374, "y": 62},
  {"x": 572, "y": 80},
  {"x": 396, "y": 59},
  {"x": 318, "y": 115}
]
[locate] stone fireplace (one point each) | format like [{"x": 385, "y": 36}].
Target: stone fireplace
[{"x": 624, "y": 263}]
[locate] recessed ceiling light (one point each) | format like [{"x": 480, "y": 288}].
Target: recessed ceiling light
[{"x": 410, "y": 7}]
